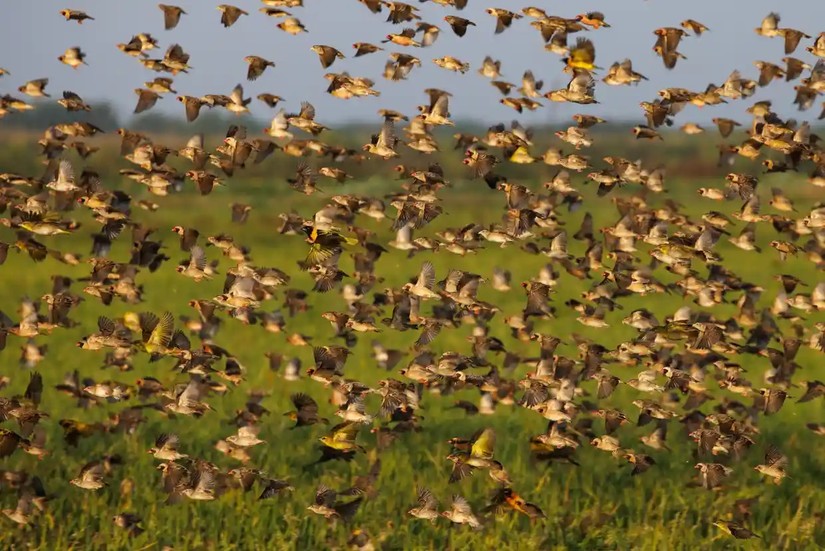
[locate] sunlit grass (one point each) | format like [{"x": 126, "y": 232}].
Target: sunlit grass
[{"x": 596, "y": 505}]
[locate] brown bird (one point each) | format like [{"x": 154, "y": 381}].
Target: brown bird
[
  {"x": 792, "y": 38},
  {"x": 204, "y": 180},
  {"x": 73, "y": 102},
  {"x": 230, "y": 14},
  {"x": 192, "y": 105},
  {"x": 257, "y": 66},
  {"x": 327, "y": 54},
  {"x": 73, "y": 57},
  {"x": 35, "y": 88},
  {"x": 146, "y": 100},
  {"x": 401, "y": 12},
  {"x": 76, "y": 15},
  {"x": 271, "y": 100},
  {"x": 693, "y": 26},
  {"x": 292, "y": 26},
  {"x": 458, "y": 24},
  {"x": 725, "y": 126},
  {"x": 240, "y": 213},
  {"x": 504, "y": 18},
  {"x": 769, "y": 26},
  {"x": 171, "y": 15},
  {"x": 364, "y": 48},
  {"x": 645, "y": 132},
  {"x": 667, "y": 41}
]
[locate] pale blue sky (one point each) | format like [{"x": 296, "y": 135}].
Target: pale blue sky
[{"x": 35, "y": 35}]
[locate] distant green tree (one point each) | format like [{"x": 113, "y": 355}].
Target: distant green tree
[{"x": 47, "y": 113}]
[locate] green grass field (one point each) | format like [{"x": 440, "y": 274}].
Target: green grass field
[{"x": 596, "y": 505}]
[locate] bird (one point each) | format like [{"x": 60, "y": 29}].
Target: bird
[
  {"x": 327, "y": 54},
  {"x": 306, "y": 411},
  {"x": 593, "y": 19},
  {"x": 292, "y": 25},
  {"x": 365, "y": 48},
  {"x": 257, "y": 66},
  {"x": 146, "y": 100},
  {"x": 325, "y": 243},
  {"x": 478, "y": 455},
  {"x": 327, "y": 505},
  {"x": 423, "y": 286},
  {"x": 427, "y": 508},
  {"x": 90, "y": 476},
  {"x": 341, "y": 438},
  {"x": 76, "y": 15},
  {"x": 171, "y": 15},
  {"x": 458, "y": 24},
  {"x": 735, "y": 529},
  {"x": 774, "y": 466},
  {"x": 694, "y": 26},
  {"x": 383, "y": 144},
  {"x": 192, "y": 105},
  {"x": 196, "y": 266},
  {"x": 35, "y": 88},
  {"x": 504, "y": 18},
  {"x": 460, "y": 512},
  {"x": 230, "y": 14},
  {"x": 166, "y": 448},
  {"x": 73, "y": 57},
  {"x": 663, "y": 290},
  {"x": 582, "y": 56}
]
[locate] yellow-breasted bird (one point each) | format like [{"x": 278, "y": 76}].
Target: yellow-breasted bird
[
  {"x": 475, "y": 454},
  {"x": 735, "y": 529},
  {"x": 46, "y": 224},
  {"x": 324, "y": 243},
  {"x": 582, "y": 56},
  {"x": 156, "y": 332},
  {"x": 341, "y": 438}
]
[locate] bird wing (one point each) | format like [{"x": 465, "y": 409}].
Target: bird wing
[
  {"x": 461, "y": 506},
  {"x": 426, "y": 499},
  {"x": 237, "y": 95},
  {"x": 191, "y": 393},
  {"x": 584, "y": 52},
  {"x": 484, "y": 444},
  {"x": 304, "y": 403},
  {"x": 386, "y": 137},
  {"x": 162, "y": 332},
  {"x": 65, "y": 172},
  {"x": 197, "y": 259},
  {"x": 325, "y": 496},
  {"x": 92, "y": 471},
  {"x": 344, "y": 432},
  {"x": 426, "y": 277}
]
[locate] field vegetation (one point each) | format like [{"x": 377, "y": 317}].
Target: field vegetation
[{"x": 595, "y": 505}]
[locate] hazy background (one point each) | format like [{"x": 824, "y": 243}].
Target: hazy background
[{"x": 35, "y": 34}]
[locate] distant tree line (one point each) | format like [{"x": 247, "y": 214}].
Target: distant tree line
[{"x": 688, "y": 156}]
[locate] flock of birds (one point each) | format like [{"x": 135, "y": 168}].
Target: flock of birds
[{"x": 683, "y": 357}]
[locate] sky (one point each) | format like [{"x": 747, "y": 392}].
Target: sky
[{"x": 35, "y": 34}]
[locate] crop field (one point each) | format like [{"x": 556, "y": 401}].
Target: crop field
[
  {"x": 566, "y": 311},
  {"x": 594, "y": 505}
]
